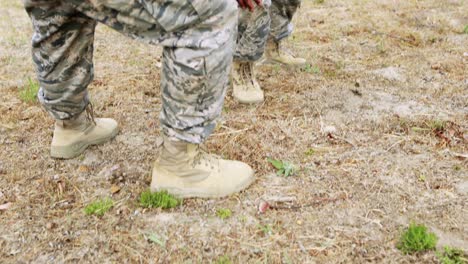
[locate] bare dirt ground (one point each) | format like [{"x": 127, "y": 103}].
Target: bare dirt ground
[{"x": 382, "y": 112}]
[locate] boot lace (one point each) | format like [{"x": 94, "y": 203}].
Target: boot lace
[
  {"x": 246, "y": 72},
  {"x": 90, "y": 113},
  {"x": 83, "y": 121},
  {"x": 203, "y": 157}
]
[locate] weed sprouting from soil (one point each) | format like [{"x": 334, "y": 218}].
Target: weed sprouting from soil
[
  {"x": 99, "y": 207},
  {"x": 448, "y": 132},
  {"x": 265, "y": 229},
  {"x": 154, "y": 238},
  {"x": 223, "y": 260},
  {"x": 224, "y": 213},
  {"x": 437, "y": 125},
  {"x": 311, "y": 69},
  {"x": 416, "y": 238},
  {"x": 309, "y": 152},
  {"x": 452, "y": 256},
  {"x": 160, "y": 199},
  {"x": 29, "y": 92},
  {"x": 284, "y": 168}
]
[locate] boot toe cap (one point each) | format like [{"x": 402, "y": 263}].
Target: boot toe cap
[
  {"x": 107, "y": 123},
  {"x": 249, "y": 97}
]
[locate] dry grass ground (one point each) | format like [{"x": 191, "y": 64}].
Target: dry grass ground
[{"x": 383, "y": 74}]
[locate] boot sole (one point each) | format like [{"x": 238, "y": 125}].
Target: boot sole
[
  {"x": 183, "y": 193},
  {"x": 249, "y": 102},
  {"x": 76, "y": 149}
]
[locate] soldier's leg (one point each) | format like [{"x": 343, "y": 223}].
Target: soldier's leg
[
  {"x": 194, "y": 82},
  {"x": 195, "y": 77},
  {"x": 62, "y": 50},
  {"x": 254, "y": 29},
  {"x": 198, "y": 38},
  {"x": 198, "y": 42},
  {"x": 282, "y": 13}
]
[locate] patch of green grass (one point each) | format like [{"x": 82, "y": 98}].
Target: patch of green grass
[
  {"x": 28, "y": 93},
  {"x": 223, "y": 260},
  {"x": 311, "y": 69},
  {"x": 154, "y": 238},
  {"x": 310, "y": 152},
  {"x": 422, "y": 178},
  {"x": 452, "y": 256},
  {"x": 416, "y": 238},
  {"x": 284, "y": 168},
  {"x": 223, "y": 213},
  {"x": 160, "y": 199},
  {"x": 424, "y": 126},
  {"x": 465, "y": 30},
  {"x": 265, "y": 229},
  {"x": 99, "y": 207},
  {"x": 437, "y": 125},
  {"x": 319, "y": 1}
]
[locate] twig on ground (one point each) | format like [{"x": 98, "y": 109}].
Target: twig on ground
[
  {"x": 318, "y": 201},
  {"x": 395, "y": 37},
  {"x": 395, "y": 144},
  {"x": 232, "y": 132},
  {"x": 345, "y": 140},
  {"x": 75, "y": 187},
  {"x": 459, "y": 155}
]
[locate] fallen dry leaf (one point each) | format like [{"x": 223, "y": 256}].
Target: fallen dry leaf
[
  {"x": 115, "y": 189},
  {"x": 83, "y": 169}
]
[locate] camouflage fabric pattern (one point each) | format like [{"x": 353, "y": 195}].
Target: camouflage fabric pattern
[
  {"x": 198, "y": 39},
  {"x": 282, "y": 12},
  {"x": 273, "y": 20},
  {"x": 254, "y": 28}
]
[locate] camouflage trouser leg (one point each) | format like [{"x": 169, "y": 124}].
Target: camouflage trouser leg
[
  {"x": 282, "y": 12},
  {"x": 254, "y": 28},
  {"x": 198, "y": 38}
]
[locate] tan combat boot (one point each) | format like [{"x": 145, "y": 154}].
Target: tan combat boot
[
  {"x": 184, "y": 170},
  {"x": 245, "y": 87},
  {"x": 275, "y": 52},
  {"x": 72, "y": 137}
]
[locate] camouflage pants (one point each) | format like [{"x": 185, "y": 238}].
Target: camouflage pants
[
  {"x": 198, "y": 39},
  {"x": 282, "y": 12},
  {"x": 254, "y": 28},
  {"x": 272, "y": 20}
]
